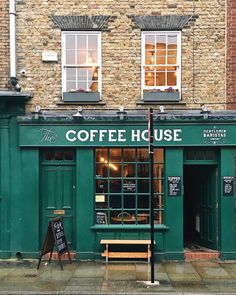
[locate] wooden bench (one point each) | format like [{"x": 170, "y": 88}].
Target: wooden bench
[{"x": 144, "y": 254}]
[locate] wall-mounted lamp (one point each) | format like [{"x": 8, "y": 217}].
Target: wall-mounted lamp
[
  {"x": 78, "y": 114},
  {"x": 205, "y": 111},
  {"x": 121, "y": 113},
  {"x": 37, "y": 111},
  {"x": 161, "y": 109}
]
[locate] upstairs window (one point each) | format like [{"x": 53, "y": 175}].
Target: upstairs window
[
  {"x": 81, "y": 65},
  {"x": 161, "y": 61}
]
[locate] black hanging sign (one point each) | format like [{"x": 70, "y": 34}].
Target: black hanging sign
[
  {"x": 228, "y": 186},
  {"x": 174, "y": 186},
  {"x": 55, "y": 236}
]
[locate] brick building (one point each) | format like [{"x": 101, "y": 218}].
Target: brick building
[{"x": 77, "y": 132}]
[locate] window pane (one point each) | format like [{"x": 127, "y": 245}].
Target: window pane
[
  {"x": 101, "y": 186},
  {"x": 81, "y": 42},
  {"x": 92, "y": 42},
  {"x": 158, "y": 156},
  {"x": 158, "y": 170},
  {"x": 149, "y": 78},
  {"x": 92, "y": 57},
  {"x": 172, "y": 41},
  {"x": 171, "y": 60},
  {"x": 143, "y": 170},
  {"x": 70, "y": 42},
  {"x": 69, "y": 155},
  {"x": 115, "y": 201},
  {"x": 142, "y": 155},
  {"x": 143, "y": 185},
  {"x": 129, "y": 155},
  {"x": 102, "y": 170},
  {"x": 115, "y": 170},
  {"x": 70, "y": 86},
  {"x": 71, "y": 73},
  {"x": 143, "y": 202},
  {"x": 115, "y": 186},
  {"x": 95, "y": 73},
  {"x": 70, "y": 57},
  {"x": 150, "y": 42},
  {"x": 160, "y": 79},
  {"x": 82, "y": 73},
  {"x": 115, "y": 155},
  {"x": 161, "y": 60},
  {"x": 150, "y": 58},
  {"x": 143, "y": 216},
  {"x": 161, "y": 41},
  {"x": 158, "y": 186},
  {"x": 129, "y": 201},
  {"x": 171, "y": 78},
  {"x": 101, "y": 155},
  {"x": 129, "y": 170},
  {"x": 81, "y": 57}
]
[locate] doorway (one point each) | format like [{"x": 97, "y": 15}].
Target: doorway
[
  {"x": 200, "y": 206},
  {"x": 58, "y": 192}
]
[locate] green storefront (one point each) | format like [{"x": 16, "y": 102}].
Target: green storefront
[{"x": 93, "y": 171}]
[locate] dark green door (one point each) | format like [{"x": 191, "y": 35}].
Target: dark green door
[
  {"x": 208, "y": 233},
  {"x": 200, "y": 205},
  {"x": 58, "y": 194}
]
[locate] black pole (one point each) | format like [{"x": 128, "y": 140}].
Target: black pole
[{"x": 150, "y": 131}]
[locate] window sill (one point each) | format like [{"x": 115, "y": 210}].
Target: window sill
[
  {"x": 161, "y": 96},
  {"x": 81, "y": 96},
  {"x": 106, "y": 227}
]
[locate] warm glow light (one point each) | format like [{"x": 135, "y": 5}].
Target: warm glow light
[{"x": 110, "y": 165}]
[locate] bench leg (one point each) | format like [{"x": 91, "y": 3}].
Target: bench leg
[
  {"x": 149, "y": 253},
  {"x": 107, "y": 252}
]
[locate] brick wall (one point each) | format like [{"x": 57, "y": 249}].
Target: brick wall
[
  {"x": 4, "y": 44},
  {"x": 203, "y": 50},
  {"x": 231, "y": 55}
]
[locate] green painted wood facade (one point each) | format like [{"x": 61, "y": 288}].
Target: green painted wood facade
[{"x": 21, "y": 224}]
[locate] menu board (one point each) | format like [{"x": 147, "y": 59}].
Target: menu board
[
  {"x": 228, "y": 186},
  {"x": 174, "y": 186},
  {"x": 55, "y": 236},
  {"x": 101, "y": 218}
]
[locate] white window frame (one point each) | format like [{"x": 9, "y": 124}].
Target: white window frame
[
  {"x": 178, "y": 64},
  {"x": 64, "y": 66}
]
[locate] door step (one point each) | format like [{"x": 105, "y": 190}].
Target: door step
[{"x": 201, "y": 255}]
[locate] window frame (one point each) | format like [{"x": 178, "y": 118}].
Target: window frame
[
  {"x": 63, "y": 58},
  {"x": 136, "y": 195},
  {"x": 178, "y": 62}
]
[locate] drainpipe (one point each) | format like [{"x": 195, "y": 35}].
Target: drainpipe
[{"x": 12, "y": 29}]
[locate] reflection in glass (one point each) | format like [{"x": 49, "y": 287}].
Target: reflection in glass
[
  {"x": 70, "y": 41},
  {"x": 81, "y": 42}
]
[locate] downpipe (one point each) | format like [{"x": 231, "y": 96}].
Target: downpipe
[{"x": 12, "y": 32}]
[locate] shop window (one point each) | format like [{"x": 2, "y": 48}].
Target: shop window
[
  {"x": 161, "y": 60},
  {"x": 122, "y": 191},
  {"x": 81, "y": 66}
]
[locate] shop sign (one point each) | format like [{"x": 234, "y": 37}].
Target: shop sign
[
  {"x": 228, "y": 182},
  {"x": 174, "y": 186},
  {"x": 125, "y": 135}
]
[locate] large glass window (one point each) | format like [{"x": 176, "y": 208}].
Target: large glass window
[
  {"x": 122, "y": 193},
  {"x": 81, "y": 61},
  {"x": 161, "y": 59}
]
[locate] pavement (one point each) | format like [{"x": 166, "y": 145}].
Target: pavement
[{"x": 87, "y": 277}]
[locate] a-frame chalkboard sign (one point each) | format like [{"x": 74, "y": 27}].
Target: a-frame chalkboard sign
[{"x": 55, "y": 236}]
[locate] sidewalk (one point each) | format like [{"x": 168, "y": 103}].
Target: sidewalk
[{"x": 197, "y": 277}]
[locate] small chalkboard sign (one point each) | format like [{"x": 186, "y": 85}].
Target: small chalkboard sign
[
  {"x": 55, "y": 236},
  {"x": 228, "y": 186},
  {"x": 174, "y": 186},
  {"x": 101, "y": 218},
  {"x": 129, "y": 187}
]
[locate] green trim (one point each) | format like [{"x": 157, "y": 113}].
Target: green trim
[
  {"x": 5, "y": 254},
  {"x": 228, "y": 255},
  {"x": 128, "y": 227}
]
